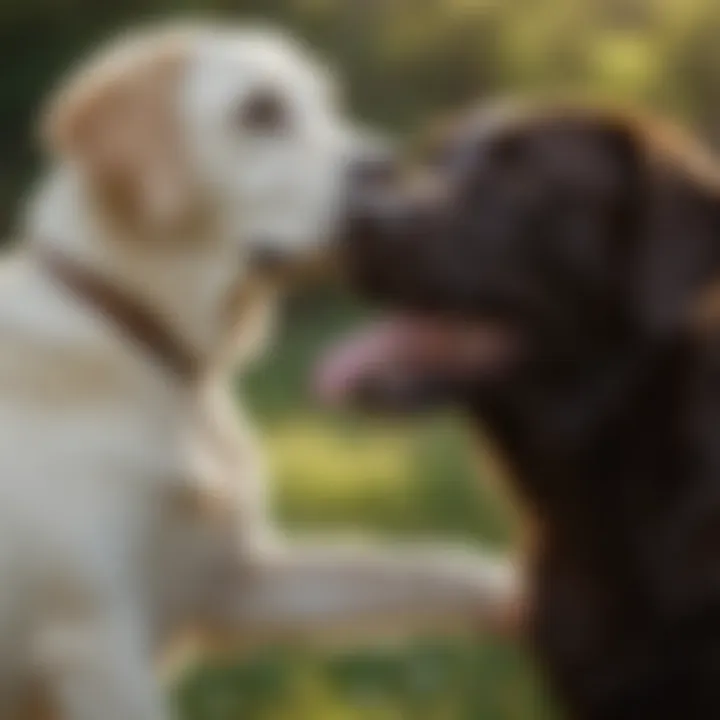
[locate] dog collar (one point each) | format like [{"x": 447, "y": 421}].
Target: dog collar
[{"x": 136, "y": 321}]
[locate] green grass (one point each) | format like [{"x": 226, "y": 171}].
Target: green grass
[{"x": 356, "y": 474}]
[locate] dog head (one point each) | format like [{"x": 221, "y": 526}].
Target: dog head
[
  {"x": 211, "y": 157},
  {"x": 242, "y": 122},
  {"x": 537, "y": 241}
]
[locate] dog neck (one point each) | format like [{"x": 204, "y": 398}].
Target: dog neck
[
  {"x": 187, "y": 288},
  {"x": 574, "y": 447},
  {"x": 134, "y": 320}
]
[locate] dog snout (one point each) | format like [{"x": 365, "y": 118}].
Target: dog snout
[
  {"x": 374, "y": 172},
  {"x": 372, "y": 181},
  {"x": 269, "y": 260}
]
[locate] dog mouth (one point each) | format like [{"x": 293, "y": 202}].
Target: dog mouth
[
  {"x": 409, "y": 363},
  {"x": 289, "y": 266}
]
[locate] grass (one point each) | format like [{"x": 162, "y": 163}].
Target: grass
[{"x": 356, "y": 474}]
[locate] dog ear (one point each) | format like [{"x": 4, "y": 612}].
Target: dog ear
[
  {"x": 116, "y": 122},
  {"x": 678, "y": 254}
]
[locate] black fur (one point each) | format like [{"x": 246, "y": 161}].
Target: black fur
[{"x": 592, "y": 238}]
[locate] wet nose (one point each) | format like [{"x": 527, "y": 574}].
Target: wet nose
[
  {"x": 372, "y": 183},
  {"x": 269, "y": 260},
  {"x": 374, "y": 171}
]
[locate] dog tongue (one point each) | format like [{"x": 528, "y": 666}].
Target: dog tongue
[
  {"x": 357, "y": 356},
  {"x": 407, "y": 345}
]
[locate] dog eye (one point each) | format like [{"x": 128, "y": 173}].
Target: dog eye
[{"x": 264, "y": 112}]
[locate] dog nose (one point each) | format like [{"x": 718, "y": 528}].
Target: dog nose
[
  {"x": 269, "y": 260},
  {"x": 374, "y": 171},
  {"x": 372, "y": 177}
]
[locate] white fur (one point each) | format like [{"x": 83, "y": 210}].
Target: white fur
[{"x": 132, "y": 507}]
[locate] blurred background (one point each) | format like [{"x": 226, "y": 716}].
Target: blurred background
[{"x": 402, "y": 60}]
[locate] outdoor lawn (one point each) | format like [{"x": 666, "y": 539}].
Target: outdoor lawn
[{"x": 358, "y": 475}]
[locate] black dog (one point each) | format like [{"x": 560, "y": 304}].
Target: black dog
[{"x": 551, "y": 274}]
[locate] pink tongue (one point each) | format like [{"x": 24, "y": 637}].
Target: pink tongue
[
  {"x": 361, "y": 354},
  {"x": 410, "y": 345}
]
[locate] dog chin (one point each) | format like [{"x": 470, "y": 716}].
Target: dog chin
[{"x": 397, "y": 395}]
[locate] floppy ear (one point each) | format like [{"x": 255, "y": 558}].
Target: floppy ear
[
  {"x": 679, "y": 246},
  {"x": 117, "y": 123}
]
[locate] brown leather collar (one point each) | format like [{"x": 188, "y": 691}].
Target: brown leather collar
[{"x": 134, "y": 320}]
